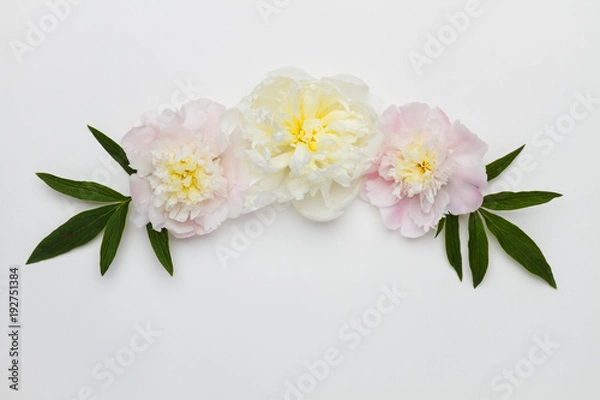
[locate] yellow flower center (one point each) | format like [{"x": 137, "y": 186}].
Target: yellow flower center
[
  {"x": 187, "y": 179},
  {"x": 310, "y": 132},
  {"x": 416, "y": 164},
  {"x": 305, "y": 131},
  {"x": 185, "y": 176},
  {"x": 419, "y": 169}
]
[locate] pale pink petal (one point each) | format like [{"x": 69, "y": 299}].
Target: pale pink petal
[
  {"x": 213, "y": 124},
  {"x": 194, "y": 115},
  {"x": 157, "y": 217},
  {"x": 380, "y": 192},
  {"x": 396, "y": 217},
  {"x": 138, "y": 143},
  {"x": 235, "y": 170},
  {"x": 141, "y": 193},
  {"x": 411, "y": 230},
  {"x": 209, "y": 206},
  {"x": 181, "y": 230},
  {"x": 441, "y": 204},
  {"x": 229, "y": 122},
  {"x": 437, "y": 122},
  {"x": 213, "y": 220},
  {"x": 426, "y": 220},
  {"x": 203, "y": 117},
  {"x": 467, "y": 149},
  {"x": 464, "y": 197},
  {"x": 236, "y": 200},
  {"x": 414, "y": 116},
  {"x": 390, "y": 123},
  {"x": 474, "y": 176},
  {"x": 150, "y": 119}
]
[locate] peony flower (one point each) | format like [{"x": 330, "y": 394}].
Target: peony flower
[
  {"x": 427, "y": 168},
  {"x": 306, "y": 140},
  {"x": 187, "y": 178}
]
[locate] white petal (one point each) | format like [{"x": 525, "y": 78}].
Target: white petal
[{"x": 317, "y": 209}]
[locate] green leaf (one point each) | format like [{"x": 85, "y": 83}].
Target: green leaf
[
  {"x": 517, "y": 200},
  {"x": 112, "y": 236},
  {"x": 440, "y": 227},
  {"x": 497, "y": 167},
  {"x": 77, "y": 231},
  {"x": 89, "y": 191},
  {"x": 115, "y": 151},
  {"x": 453, "y": 244},
  {"x": 160, "y": 245},
  {"x": 519, "y": 246},
  {"x": 478, "y": 249}
]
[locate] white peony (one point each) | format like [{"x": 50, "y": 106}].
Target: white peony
[{"x": 306, "y": 140}]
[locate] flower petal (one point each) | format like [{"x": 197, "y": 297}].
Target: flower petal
[
  {"x": 467, "y": 149},
  {"x": 464, "y": 197},
  {"x": 414, "y": 116},
  {"x": 316, "y": 208},
  {"x": 396, "y": 217},
  {"x": 138, "y": 143},
  {"x": 380, "y": 192}
]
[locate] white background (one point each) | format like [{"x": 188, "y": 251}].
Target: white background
[{"x": 242, "y": 332}]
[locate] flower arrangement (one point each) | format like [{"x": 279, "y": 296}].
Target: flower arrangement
[{"x": 316, "y": 143}]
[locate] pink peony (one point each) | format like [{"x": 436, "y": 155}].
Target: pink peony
[
  {"x": 187, "y": 178},
  {"x": 426, "y": 168}
]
